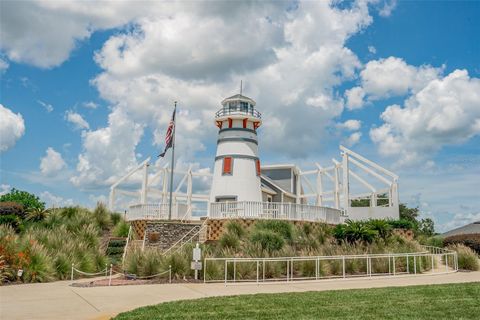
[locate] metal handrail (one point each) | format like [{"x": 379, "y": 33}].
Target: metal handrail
[
  {"x": 430, "y": 252},
  {"x": 238, "y": 110}
]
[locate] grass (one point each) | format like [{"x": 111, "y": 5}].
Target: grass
[{"x": 450, "y": 301}]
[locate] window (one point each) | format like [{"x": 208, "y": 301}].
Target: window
[
  {"x": 257, "y": 165},
  {"x": 227, "y": 165}
]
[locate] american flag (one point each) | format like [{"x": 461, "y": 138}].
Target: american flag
[{"x": 169, "y": 135}]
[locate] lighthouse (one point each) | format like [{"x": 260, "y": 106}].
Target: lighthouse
[{"x": 236, "y": 174}]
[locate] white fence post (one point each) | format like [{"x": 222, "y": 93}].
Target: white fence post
[
  {"x": 72, "y": 273},
  {"x": 110, "y": 280}
]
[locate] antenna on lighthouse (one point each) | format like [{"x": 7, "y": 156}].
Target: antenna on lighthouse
[{"x": 241, "y": 86}]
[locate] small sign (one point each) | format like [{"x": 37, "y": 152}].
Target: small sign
[
  {"x": 197, "y": 254},
  {"x": 19, "y": 273},
  {"x": 196, "y": 265}
]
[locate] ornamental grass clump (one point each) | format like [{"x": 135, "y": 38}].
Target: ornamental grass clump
[
  {"x": 269, "y": 240},
  {"x": 467, "y": 258}
]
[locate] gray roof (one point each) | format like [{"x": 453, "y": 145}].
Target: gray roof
[
  {"x": 468, "y": 229},
  {"x": 239, "y": 97}
]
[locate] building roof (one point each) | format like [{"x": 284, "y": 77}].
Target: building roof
[
  {"x": 468, "y": 229},
  {"x": 240, "y": 97}
]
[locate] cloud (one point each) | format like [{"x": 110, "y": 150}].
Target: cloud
[
  {"x": 355, "y": 98},
  {"x": 390, "y": 77},
  {"x": 3, "y": 65},
  {"x": 90, "y": 105},
  {"x": 52, "y": 200},
  {"x": 372, "y": 49},
  {"x": 5, "y": 188},
  {"x": 350, "y": 125},
  {"x": 76, "y": 119},
  {"x": 48, "y": 107},
  {"x": 445, "y": 112},
  {"x": 52, "y": 163},
  {"x": 108, "y": 152},
  {"x": 353, "y": 139},
  {"x": 12, "y": 128},
  {"x": 388, "y": 7}
]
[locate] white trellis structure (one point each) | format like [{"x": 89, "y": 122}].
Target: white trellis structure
[
  {"x": 340, "y": 196},
  {"x": 184, "y": 201}
]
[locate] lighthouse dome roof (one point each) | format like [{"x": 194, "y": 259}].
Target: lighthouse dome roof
[{"x": 239, "y": 97}]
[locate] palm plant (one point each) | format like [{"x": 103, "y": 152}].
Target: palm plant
[{"x": 37, "y": 214}]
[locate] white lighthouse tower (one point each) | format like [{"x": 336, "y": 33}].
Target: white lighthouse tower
[{"x": 236, "y": 175}]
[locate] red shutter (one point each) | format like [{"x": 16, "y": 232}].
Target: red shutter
[
  {"x": 227, "y": 165},
  {"x": 245, "y": 123},
  {"x": 257, "y": 165},
  {"x": 230, "y": 122}
]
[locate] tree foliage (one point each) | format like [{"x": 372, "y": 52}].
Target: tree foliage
[{"x": 27, "y": 200}]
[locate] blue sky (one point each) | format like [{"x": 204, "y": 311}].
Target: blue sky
[{"x": 92, "y": 86}]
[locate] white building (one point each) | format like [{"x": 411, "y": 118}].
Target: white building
[{"x": 242, "y": 188}]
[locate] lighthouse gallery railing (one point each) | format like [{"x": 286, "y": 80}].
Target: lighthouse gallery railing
[{"x": 274, "y": 210}]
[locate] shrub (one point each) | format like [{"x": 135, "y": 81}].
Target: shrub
[
  {"x": 470, "y": 240},
  {"x": 12, "y": 208},
  {"x": 39, "y": 267},
  {"x": 11, "y": 220},
  {"x": 229, "y": 240},
  {"x": 467, "y": 259},
  {"x": 382, "y": 227},
  {"x": 402, "y": 224},
  {"x": 27, "y": 200},
  {"x": 36, "y": 214},
  {"x": 116, "y": 217},
  {"x": 354, "y": 231},
  {"x": 435, "y": 241},
  {"x": 268, "y": 240},
  {"x": 102, "y": 216},
  {"x": 235, "y": 228},
  {"x": 121, "y": 229},
  {"x": 283, "y": 228}
]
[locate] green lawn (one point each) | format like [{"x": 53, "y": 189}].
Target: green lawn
[{"x": 451, "y": 301}]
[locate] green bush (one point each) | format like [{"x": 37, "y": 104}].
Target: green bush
[
  {"x": 282, "y": 228},
  {"x": 26, "y": 200},
  {"x": 229, "y": 240},
  {"x": 116, "y": 217},
  {"x": 435, "y": 241},
  {"x": 402, "y": 224},
  {"x": 11, "y": 220},
  {"x": 268, "y": 240},
  {"x": 121, "y": 229},
  {"x": 235, "y": 228},
  {"x": 12, "y": 208},
  {"x": 102, "y": 216},
  {"x": 114, "y": 250},
  {"x": 117, "y": 243},
  {"x": 467, "y": 259},
  {"x": 382, "y": 227}
]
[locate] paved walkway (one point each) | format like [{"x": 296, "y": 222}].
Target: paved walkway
[{"x": 58, "y": 300}]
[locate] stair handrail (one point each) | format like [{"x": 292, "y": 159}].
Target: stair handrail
[
  {"x": 126, "y": 245},
  {"x": 203, "y": 226},
  {"x": 184, "y": 236}
]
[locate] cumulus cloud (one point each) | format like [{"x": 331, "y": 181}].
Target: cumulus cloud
[
  {"x": 390, "y": 77},
  {"x": 445, "y": 112},
  {"x": 350, "y": 125},
  {"x": 76, "y": 119},
  {"x": 48, "y": 107},
  {"x": 5, "y": 188},
  {"x": 372, "y": 49},
  {"x": 108, "y": 152},
  {"x": 52, "y": 163},
  {"x": 355, "y": 98},
  {"x": 12, "y": 128},
  {"x": 353, "y": 139}
]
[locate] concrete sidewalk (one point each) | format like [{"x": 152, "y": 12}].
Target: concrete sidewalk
[{"x": 58, "y": 300}]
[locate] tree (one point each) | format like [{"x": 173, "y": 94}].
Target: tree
[
  {"x": 427, "y": 226},
  {"x": 27, "y": 200},
  {"x": 409, "y": 213}
]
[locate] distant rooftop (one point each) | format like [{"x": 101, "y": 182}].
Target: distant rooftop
[{"x": 468, "y": 229}]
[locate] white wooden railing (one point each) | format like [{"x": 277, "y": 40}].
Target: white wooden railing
[
  {"x": 157, "y": 211},
  {"x": 273, "y": 210}
]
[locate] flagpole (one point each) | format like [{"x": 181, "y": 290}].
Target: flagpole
[{"x": 173, "y": 161}]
